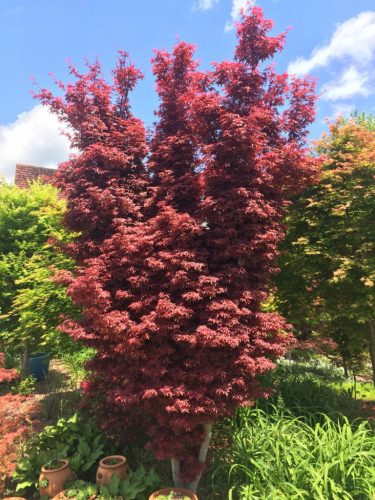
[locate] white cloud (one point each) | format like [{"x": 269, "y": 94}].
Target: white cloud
[
  {"x": 352, "y": 51},
  {"x": 237, "y": 7},
  {"x": 205, "y": 4},
  {"x": 34, "y": 138},
  {"x": 351, "y": 83},
  {"x": 354, "y": 39},
  {"x": 342, "y": 109}
]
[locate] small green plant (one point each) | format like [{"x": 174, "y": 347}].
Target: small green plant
[
  {"x": 44, "y": 483},
  {"x": 53, "y": 464},
  {"x": 76, "y": 361},
  {"x": 76, "y": 439},
  {"x": 112, "y": 461},
  {"x": 80, "y": 490},
  {"x": 173, "y": 496},
  {"x": 26, "y": 386},
  {"x": 137, "y": 486}
]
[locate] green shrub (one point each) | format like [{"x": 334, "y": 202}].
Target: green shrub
[
  {"x": 25, "y": 386},
  {"x": 138, "y": 485},
  {"x": 277, "y": 456},
  {"x": 75, "y": 361},
  {"x": 31, "y": 302},
  {"x": 75, "y": 438}
]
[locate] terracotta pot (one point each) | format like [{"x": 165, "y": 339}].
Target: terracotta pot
[
  {"x": 56, "y": 479},
  {"x": 60, "y": 496},
  {"x": 106, "y": 469},
  {"x": 180, "y": 493}
]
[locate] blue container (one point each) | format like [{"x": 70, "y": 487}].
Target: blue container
[{"x": 39, "y": 365}]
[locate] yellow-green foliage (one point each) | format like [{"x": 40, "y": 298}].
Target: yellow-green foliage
[
  {"x": 30, "y": 303},
  {"x": 327, "y": 278}
]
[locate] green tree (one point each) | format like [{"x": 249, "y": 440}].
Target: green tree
[
  {"x": 31, "y": 302},
  {"x": 327, "y": 277}
]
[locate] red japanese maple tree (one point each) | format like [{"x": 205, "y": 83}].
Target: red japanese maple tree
[
  {"x": 105, "y": 182},
  {"x": 171, "y": 295}
]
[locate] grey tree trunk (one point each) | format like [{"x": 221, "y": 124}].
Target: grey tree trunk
[
  {"x": 202, "y": 456},
  {"x": 345, "y": 366},
  {"x": 25, "y": 360},
  {"x": 371, "y": 335},
  {"x": 176, "y": 473}
]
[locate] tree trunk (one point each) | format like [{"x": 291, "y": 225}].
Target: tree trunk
[
  {"x": 176, "y": 473},
  {"x": 176, "y": 464},
  {"x": 345, "y": 366},
  {"x": 288, "y": 355},
  {"x": 25, "y": 360},
  {"x": 202, "y": 455},
  {"x": 372, "y": 347}
]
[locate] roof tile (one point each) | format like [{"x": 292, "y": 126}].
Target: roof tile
[{"x": 25, "y": 174}]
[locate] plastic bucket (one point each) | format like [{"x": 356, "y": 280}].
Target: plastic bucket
[{"x": 39, "y": 365}]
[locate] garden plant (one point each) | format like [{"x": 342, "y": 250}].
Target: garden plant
[
  {"x": 326, "y": 283},
  {"x": 205, "y": 286},
  {"x": 176, "y": 251}
]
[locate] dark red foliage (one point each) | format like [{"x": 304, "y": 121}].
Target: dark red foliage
[
  {"x": 7, "y": 374},
  {"x": 105, "y": 182},
  {"x": 324, "y": 346},
  {"x": 172, "y": 298}
]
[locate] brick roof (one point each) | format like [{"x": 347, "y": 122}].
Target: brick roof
[{"x": 25, "y": 174}]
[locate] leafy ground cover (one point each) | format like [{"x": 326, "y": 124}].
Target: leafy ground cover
[
  {"x": 26, "y": 407},
  {"x": 313, "y": 439}
]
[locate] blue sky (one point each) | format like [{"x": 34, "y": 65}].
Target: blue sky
[{"x": 334, "y": 40}]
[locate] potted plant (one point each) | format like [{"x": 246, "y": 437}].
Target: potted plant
[
  {"x": 38, "y": 365},
  {"x": 113, "y": 465},
  {"x": 53, "y": 477},
  {"x": 173, "y": 494},
  {"x": 14, "y": 498},
  {"x": 78, "y": 490}
]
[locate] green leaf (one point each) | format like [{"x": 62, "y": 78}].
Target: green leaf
[
  {"x": 24, "y": 485},
  {"x": 113, "y": 485}
]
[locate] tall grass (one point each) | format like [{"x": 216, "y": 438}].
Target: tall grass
[
  {"x": 75, "y": 361},
  {"x": 276, "y": 456}
]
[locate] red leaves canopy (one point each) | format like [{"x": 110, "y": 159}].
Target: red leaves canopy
[{"x": 177, "y": 249}]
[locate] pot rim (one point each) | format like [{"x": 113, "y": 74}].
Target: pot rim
[
  {"x": 65, "y": 464},
  {"x": 38, "y": 355},
  {"x": 171, "y": 489},
  {"x": 121, "y": 460}
]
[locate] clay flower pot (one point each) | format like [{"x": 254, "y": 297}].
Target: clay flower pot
[
  {"x": 55, "y": 479},
  {"x": 60, "y": 496},
  {"x": 179, "y": 493},
  {"x": 114, "y": 464}
]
